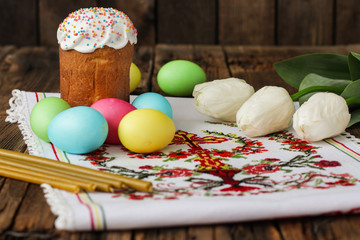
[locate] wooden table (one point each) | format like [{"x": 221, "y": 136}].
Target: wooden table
[{"x": 24, "y": 212}]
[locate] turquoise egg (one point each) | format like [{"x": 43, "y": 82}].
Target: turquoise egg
[
  {"x": 154, "y": 101},
  {"x": 78, "y": 130},
  {"x": 179, "y": 77}
]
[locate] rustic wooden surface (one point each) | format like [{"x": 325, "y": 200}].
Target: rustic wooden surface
[
  {"x": 223, "y": 22},
  {"x": 24, "y": 213}
]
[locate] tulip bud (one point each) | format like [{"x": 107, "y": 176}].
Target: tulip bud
[
  {"x": 221, "y": 99},
  {"x": 324, "y": 115},
  {"x": 269, "y": 110}
]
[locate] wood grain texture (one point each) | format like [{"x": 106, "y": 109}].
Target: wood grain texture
[
  {"x": 36, "y": 68},
  {"x": 306, "y": 22},
  {"x": 52, "y": 13},
  {"x": 347, "y": 22},
  {"x": 31, "y": 69},
  {"x": 144, "y": 60},
  {"x": 186, "y": 21},
  {"x": 18, "y": 23},
  {"x": 11, "y": 194},
  {"x": 210, "y": 58},
  {"x": 248, "y": 22},
  {"x": 255, "y": 64},
  {"x": 26, "y": 220}
]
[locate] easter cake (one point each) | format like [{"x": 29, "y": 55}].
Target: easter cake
[{"x": 95, "y": 52}]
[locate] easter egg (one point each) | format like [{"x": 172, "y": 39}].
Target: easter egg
[
  {"x": 146, "y": 130},
  {"x": 78, "y": 130},
  {"x": 42, "y": 114},
  {"x": 113, "y": 109},
  {"x": 154, "y": 101},
  {"x": 135, "y": 77},
  {"x": 179, "y": 77}
]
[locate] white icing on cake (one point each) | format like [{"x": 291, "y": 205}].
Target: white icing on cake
[{"x": 88, "y": 29}]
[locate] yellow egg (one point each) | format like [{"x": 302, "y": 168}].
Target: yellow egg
[
  {"x": 135, "y": 77},
  {"x": 146, "y": 130}
]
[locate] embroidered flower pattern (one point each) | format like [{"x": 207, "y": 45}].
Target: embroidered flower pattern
[
  {"x": 261, "y": 169},
  {"x": 325, "y": 163},
  {"x": 207, "y": 167}
]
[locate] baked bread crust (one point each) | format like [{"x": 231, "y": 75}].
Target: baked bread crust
[{"x": 88, "y": 77}]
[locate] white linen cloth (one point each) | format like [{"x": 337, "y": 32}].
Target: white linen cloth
[{"x": 210, "y": 173}]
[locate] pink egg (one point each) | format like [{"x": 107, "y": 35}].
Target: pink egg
[{"x": 113, "y": 110}]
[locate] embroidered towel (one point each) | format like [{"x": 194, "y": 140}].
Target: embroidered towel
[{"x": 210, "y": 173}]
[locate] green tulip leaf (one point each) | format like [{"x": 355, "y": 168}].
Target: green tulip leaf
[
  {"x": 353, "y": 102},
  {"x": 328, "y": 65},
  {"x": 321, "y": 83},
  {"x": 355, "y": 117},
  {"x": 354, "y": 65},
  {"x": 352, "y": 90}
]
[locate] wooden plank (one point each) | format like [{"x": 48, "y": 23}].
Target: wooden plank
[
  {"x": 307, "y": 22},
  {"x": 147, "y": 234},
  {"x": 255, "y": 66},
  {"x": 174, "y": 233},
  {"x": 52, "y": 13},
  {"x": 34, "y": 213},
  {"x": 6, "y": 50},
  {"x": 254, "y": 63},
  {"x": 201, "y": 232},
  {"x": 186, "y": 21},
  {"x": 11, "y": 137},
  {"x": 141, "y": 13},
  {"x": 296, "y": 229},
  {"x": 11, "y": 195},
  {"x": 144, "y": 60},
  {"x": 18, "y": 22},
  {"x": 223, "y": 232},
  {"x": 321, "y": 228},
  {"x": 347, "y": 22},
  {"x": 31, "y": 69},
  {"x": 103, "y": 235},
  {"x": 210, "y": 58},
  {"x": 248, "y": 22}
]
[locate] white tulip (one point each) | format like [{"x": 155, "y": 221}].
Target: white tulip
[
  {"x": 221, "y": 99},
  {"x": 324, "y": 115},
  {"x": 269, "y": 110}
]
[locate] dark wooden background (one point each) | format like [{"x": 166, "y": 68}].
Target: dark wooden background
[{"x": 223, "y": 22}]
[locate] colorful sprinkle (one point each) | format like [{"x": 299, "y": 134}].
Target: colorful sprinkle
[{"x": 99, "y": 27}]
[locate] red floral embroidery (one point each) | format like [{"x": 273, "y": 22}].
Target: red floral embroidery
[
  {"x": 99, "y": 151},
  {"x": 173, "y": 173},
  {"x": 179, "y": 155},
  {"x": 325, "y": 163},
  {"x": 153, "y": 155},
  {"x": 147, "y": 167},
  {"x": 250, "y": 147},
  {"x": 222, "y": 153},
  {"x": 97, "y": 158},
  {"x": 211, "y": 173},
  {"x": 340, "y": 182},
  {"x": 239, "y": 189},
  {"x": 261, "y": 169},
  {"x": 295, "y": 144},
  {"x": 138, "y": 197}
]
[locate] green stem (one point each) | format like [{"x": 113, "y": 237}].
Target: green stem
[
  {"x": 351, "y": 101},
  {"x": 305, "y": 91}
]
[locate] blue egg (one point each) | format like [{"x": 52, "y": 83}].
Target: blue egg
[
  {"x": 78, "y": 130},
  {"x": 154, "y": 101}
]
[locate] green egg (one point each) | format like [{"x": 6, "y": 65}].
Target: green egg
[
  {"x": 42, "y": 114},
  {"x": 179, "y": 77}
]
